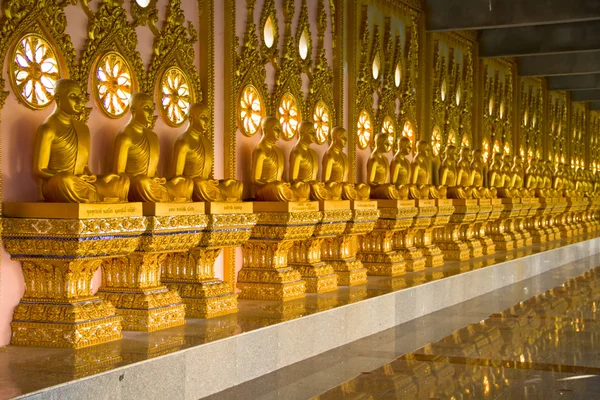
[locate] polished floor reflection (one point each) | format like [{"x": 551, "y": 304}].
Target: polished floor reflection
[
  {"x": 519, "y": 342},
  {"x": 543, "y": 348},
  {"x": 25, "y": 370}
]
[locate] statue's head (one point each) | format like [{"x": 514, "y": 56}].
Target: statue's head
[
  {"x": 404, "y": 146},
  {"x": 476, "y": 154},
  {"x": 339, "y": 137},
  {"x": 142, "y": 108},
  {"x": 383, "y": 142},
  {"x": 271, "y": 129},
  {"x": 199, "y": 116},
  {"x": 450, "y": 152},
  {"x": 307, "y": 132},
  {"x": 465, "y": 154},
  {"x": 497, "y": 158},
  {"x": 422, "y": 147},
  {"x": 68, "y": 96}
]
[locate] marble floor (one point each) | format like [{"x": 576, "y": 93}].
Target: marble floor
[
  {"x": 26, "y": 370},
  {"x": 518, "y": 342}
]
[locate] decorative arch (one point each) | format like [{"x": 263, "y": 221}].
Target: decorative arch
[{"x": 110, "y": 31}]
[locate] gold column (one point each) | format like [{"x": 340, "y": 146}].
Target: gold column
[
  {"x": 489, "y": 211},
  {"x": 133, "y": 283},
  {"x": 191, "y": 273},
  {"x": 265, "y": 273},
  {"x": 405, "y": 240},
  {"x": 341, "y": 251},
  {"x": 424, "y": 239},
  {"x": 60, "y": 247},
  {"x": 456, "y": 240},
  {"x": 305, "y": 256}
]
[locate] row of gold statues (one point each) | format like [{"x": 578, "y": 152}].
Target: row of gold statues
[{"x": 157, "y": 239}]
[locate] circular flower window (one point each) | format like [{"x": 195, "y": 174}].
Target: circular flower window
[
  {"x": 176, "y": 97},
  {"x": 436, "y": 141},
  {"x": 465, "y": 141},
  {"x": 452, "y": 138},
  {"x": 408, "y": 132},
  {"x": 486, "y": 150},
  {"x": 113, "y": 84},
  {"x": 250, "y": 110},
  {"x": 289, "y": 116},
  {"x": 364, "y": 129},
  {"x": 388, "y": 126},
  {"x": 322, "y": 121},
  {"x": 34, "y": 71}
]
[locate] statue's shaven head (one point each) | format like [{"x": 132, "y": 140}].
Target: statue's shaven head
[
  {"x": 268, "y": 123},
  {"x": 62, "y": 86},
  {"x": 197, "y": 109},
  {"x": 138, "y": 99}
]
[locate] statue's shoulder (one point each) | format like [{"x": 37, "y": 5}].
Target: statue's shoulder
[{"x": 80, "y": 127}]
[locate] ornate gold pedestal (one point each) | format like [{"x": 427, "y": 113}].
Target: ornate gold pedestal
[
  {"x": 265, "y": 274},
  {"x": 305, "y": 256},
  {"x": 191, "y": 274},
  {"x": 424, "y": 238},
  {"x": 376, "y": 248},
  {"x": 534, "y": 224},
  {"x": 405, "y": 241},
  {"x": 133, "y": 283},
  {"x": 341, "y": 251},
  {"x": 456, "y": 240},
  {"x": 555, "y": 220},
  {"x": 566, "y": 219},
  {"x": 487, "y": 211},
  {"x": 502, "y": 230},
  {"x": 60, "y": 247},
  {"x": 528, "y": 208}
]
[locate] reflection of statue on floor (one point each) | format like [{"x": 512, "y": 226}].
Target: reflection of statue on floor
[
  {"x": 61, "y": 152},
  {"x": 137, "y": 152},
  {"x": 193, "y": 158},
  {"x": 336, "y": 167},
  {"x": 378, "y": 169},
  {"x": 304, "y": 165},
  {"x": 421, "y": 175},
  {"x": 267, "y": 165}
]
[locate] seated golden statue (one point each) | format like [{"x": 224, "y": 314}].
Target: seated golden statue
[
  {"x": 401, "y": 169},
  {"x": 378, "y": 169},
  {"x": 547, "y": 179},
  {"x": 267, "y": 166},
  {"x": 518, "y": 179},
  {"x": 466, "y": 175},
  {"x": 304, "y": 166},
  {"x": 557, "y": 180},
  {"x": 495, "y": 174},
  {"x": 60, "y": 156},
  {"x": 478, "y": 171},
  {"x": 448, "y": 174},
  {"x": 336, "y": 167},
  {"x": 421, "y": 175},
  {"x": 193, "y": 158},
  {"x": 137, "y": 151}
]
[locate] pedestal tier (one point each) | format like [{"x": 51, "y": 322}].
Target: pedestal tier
[
  {"x": 133, "y": 283},
  {"x": 191, "y": 273},
  {"x": 265, "y": 274},
  {"x": 456, "y": 240},
  {"x": 59, "y": 257}
]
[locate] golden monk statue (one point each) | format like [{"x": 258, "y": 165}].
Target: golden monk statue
[
  {"x": 401, "y": 168},
  {"x": 193, "y": 159},
  {"x": 60, "y": 156},
  {"x": 557, "y": 179},
  {"x": 304, "y": 165},
  {"x": 518, "y": 179},
  {"x": 137, "y": 152},
  {"x": 448, "y": 174},
  {"x": 267, "y": 166},
  {"x": 378, "y": 169},
  {"x": 421, "y": 175},
  {"x": 336, "y": 167},
  {"x": 466, "y": 175},
  {"x": 495, "y": 175},
  {"x": 477, "y": 168}
]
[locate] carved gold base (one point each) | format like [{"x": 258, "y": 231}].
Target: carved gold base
[
  {"x": 488, "y": 247},
  {"x": 319, "y": 279},
  {"x": 70, "y": 325},
  {"x": 475, "y": 248},
  {"x": 503, "y": 241},
  {"x": 146, "y": 310},
  {"x": 279, "y": 285},
  {"x": 455, "y": 251},
  {"x": 433, "y": 256},
  {"x": 415, "y": 261},
  {"x": 206, "y": 299},
  {"x": 349, "y": 272},
  {"x": 383, "y": 264}
]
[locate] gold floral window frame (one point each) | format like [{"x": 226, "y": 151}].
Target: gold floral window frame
[
  {"x": 250, "y": 110},
  {"x": 322, "y": 121},
  {"x": 289, "y": 116},
  {"x": 176, "y": 96},
  {"x": 113, "y": 84},
  {"x": 34, "y": 70},
  {"x": 364, "y": 129}
]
